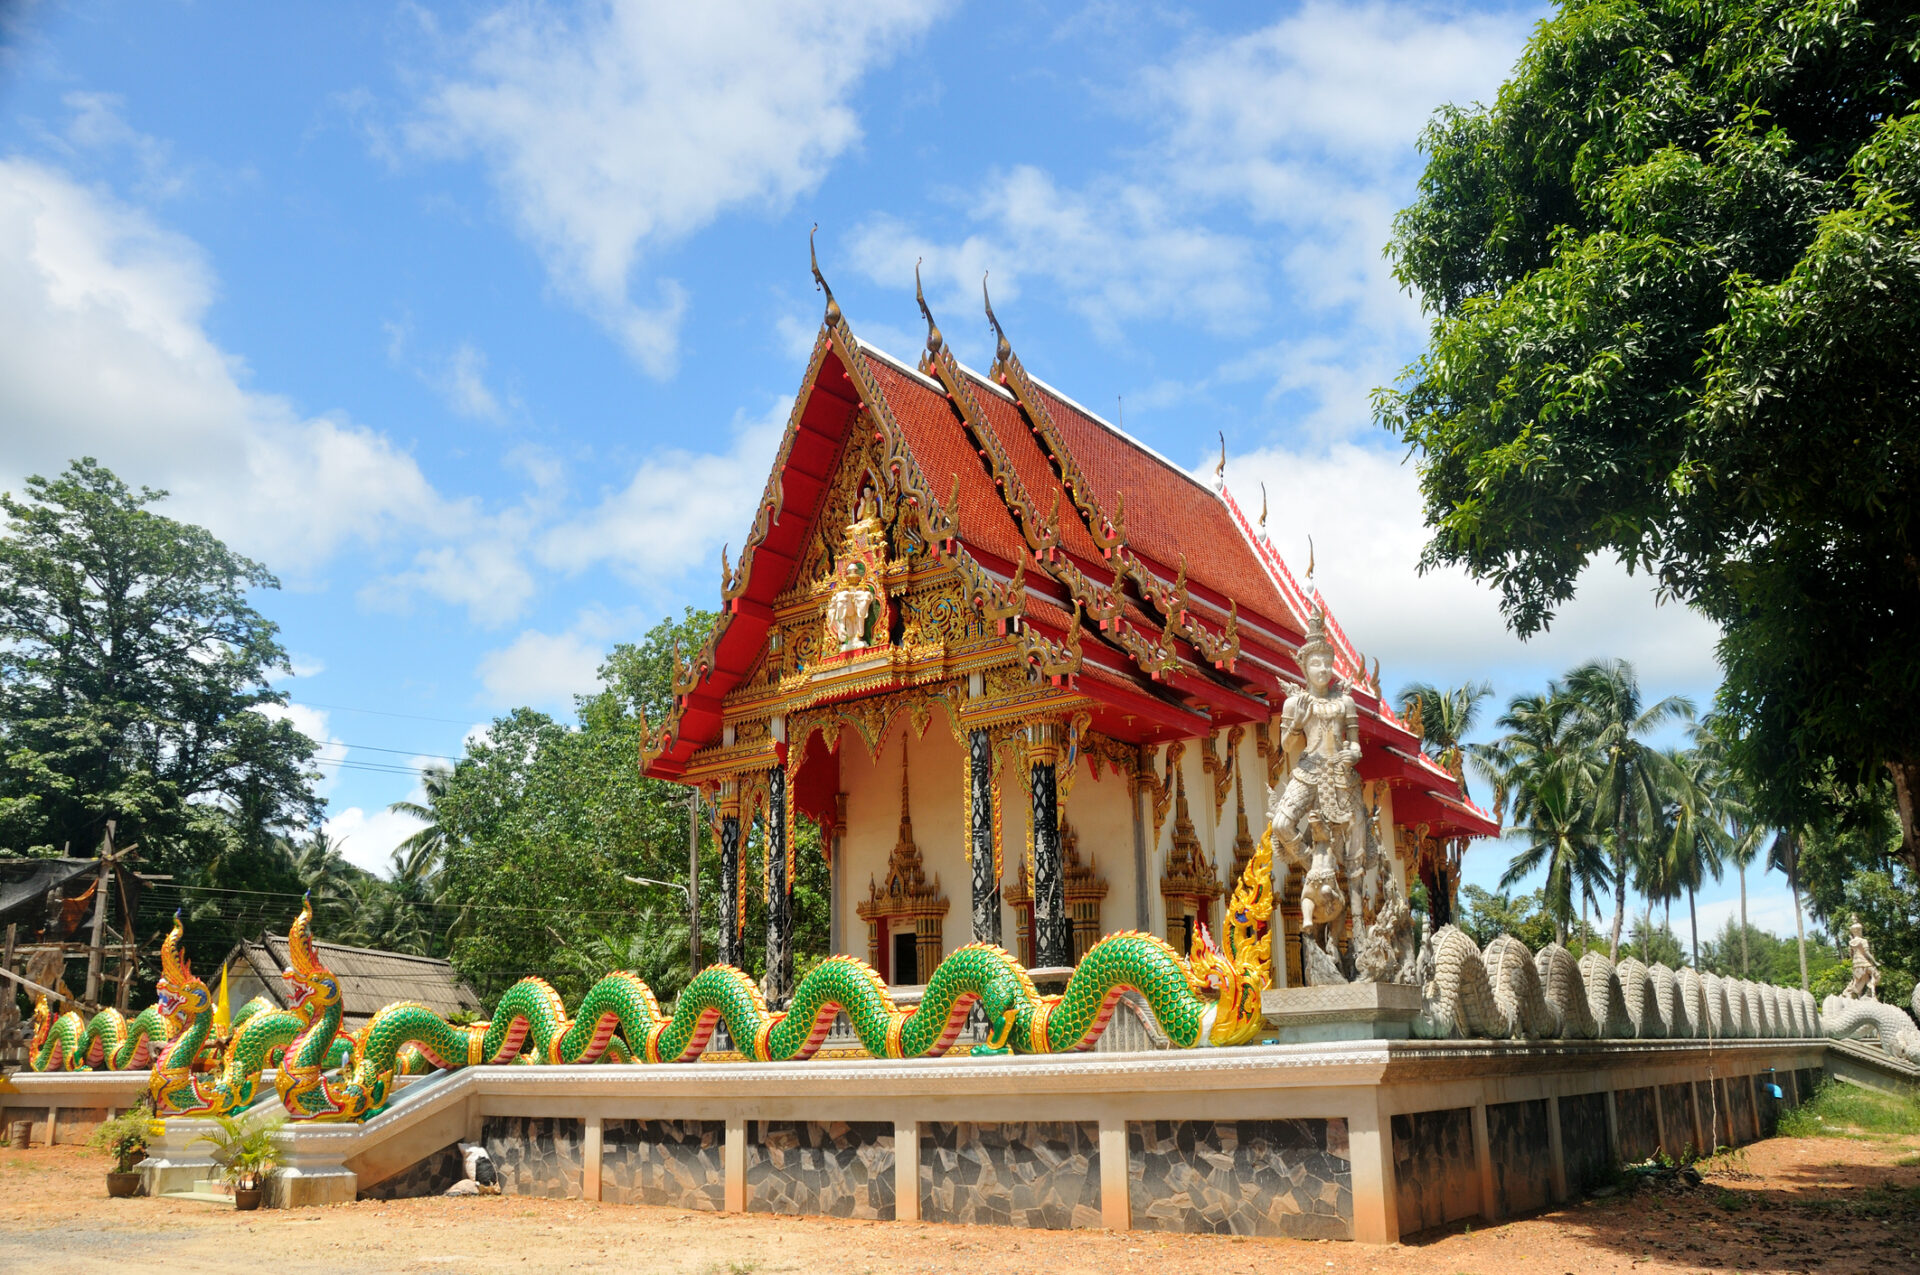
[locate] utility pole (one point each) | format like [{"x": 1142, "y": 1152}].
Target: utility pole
[
  {"x": 102, "y": 895},
  {"x": 693, "y": 876}
]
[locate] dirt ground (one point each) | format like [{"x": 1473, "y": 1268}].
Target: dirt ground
[{"x": 1829, "y": 1205}]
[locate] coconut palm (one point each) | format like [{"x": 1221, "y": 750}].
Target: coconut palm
[
  {"x": 1560, "y": 834},
  {"x": 1446, "y": 718},
  {"x": 326, "y": 876},
  {"x": 1693, "y": 835},
  {"x": 432, "y": 839},
  {"x": 1615, "y": 723},
  {"x": 1745, "y": 836}
]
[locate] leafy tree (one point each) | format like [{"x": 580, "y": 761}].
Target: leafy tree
[
  {"x": 133, "y": 675},
  {"x": 1485, "y": 915},
  {"x": 1746, "y": 951},
  {"x": 1850, "y": 864},
  {"x": 1674, "y": 279},
  {"x": 1655, "y": 945}
]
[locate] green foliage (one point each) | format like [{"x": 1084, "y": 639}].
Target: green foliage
[
  {"x": 1674, "y": 274},
  {"x": 1485, "y": 916},
  {"x": 244, "y": 1149},
  {"x": 1850, "y": 865},
  {"x": 543, "y": 824},
  {"x": 132, "y": 671},
  {"x": 1774, "y": 959},
  {"x": 1841, "y": 1110},
  {"x": 1656, "y": 946},
  {"x": 124, "y": 1137}
]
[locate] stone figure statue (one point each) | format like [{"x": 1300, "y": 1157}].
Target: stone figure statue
[
  {"x": 1316, "y": 816},
  {"x": 1386, "y": 955},
  {"x": 1866, "y": 970}
]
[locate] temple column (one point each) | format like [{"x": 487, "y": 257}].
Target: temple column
[
  {"x": 1052, "y": 930},
  {"x": 730, "y": 953},
  {"x": 986, "y": 884},
  {"x": 779, "y": 983}
]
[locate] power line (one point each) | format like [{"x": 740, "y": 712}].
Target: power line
[{"x": 382, "y": 712}]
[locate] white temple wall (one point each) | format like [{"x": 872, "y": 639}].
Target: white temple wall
[
  {"x": 935, "y": 800},
  {"x": 1101, "y": 815}
]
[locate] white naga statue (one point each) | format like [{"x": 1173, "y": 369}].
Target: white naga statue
[
  {"x": 1866, "y": 970},
  {"x": 1316, "y": 816}
]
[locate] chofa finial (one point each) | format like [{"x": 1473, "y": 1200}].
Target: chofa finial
[
  {"x": 820, "y": 280},
  {"x": 1220, "y": 470},
  {"x": 1263, "y": 509},
  {"x": 934, "y": 339},
  {"x": 1004, "y": 350}
]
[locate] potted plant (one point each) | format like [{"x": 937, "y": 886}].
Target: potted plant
[
  {"x": 245, "y": 1154},
  {"x": 125, "y": 1139}
]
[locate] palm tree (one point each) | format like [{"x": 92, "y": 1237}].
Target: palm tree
[
  {"x": 435, "y": 779},
  {"x": 1560, "y": 834},
  {"x": 1745, "y": 836},
  {"x": 1784, "y": 854},
  {"x": 1693, "y": 832},
  {"x": 1615, "y": 724},
  {"x": 326, "y": 876},
  {"x": 1446, "y": 718}
]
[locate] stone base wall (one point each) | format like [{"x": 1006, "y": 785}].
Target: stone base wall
[
  {"x": 676, "y": 1163},
  {"x": 841, "y": 1169},
  {"x": 1522, "y": 1157},
  {"x": 1639, "y": 1127},
  {"x": 1040, "y": 1174},
  {"x": 1241, "y": 1177},
  {"x": 1435, "y": 1171},
  {"x": 431, "y": 1176},
  {"x": 1584, "y": 1149},
  {"x": 535, "y": 1156}
]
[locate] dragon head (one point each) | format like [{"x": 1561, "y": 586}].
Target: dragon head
[
  {"x": 1239, "y": 974},
  {"x": 315, "y": 990},
  {"x": 181, "y": 996}
]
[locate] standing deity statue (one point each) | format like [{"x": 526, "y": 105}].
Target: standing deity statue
[
  {"x": 1866, "y": 970},
  {"x": 1316, "y": 816}
]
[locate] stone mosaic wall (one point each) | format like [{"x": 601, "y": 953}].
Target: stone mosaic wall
[
  {"x": 1247, "y": 1177},
  {"x": 838, "y": 1169},
  {"x": 1436, "y": 1177},
  {"x": 1676, "y": 1108},
  {"x": 536, "y": 1156},
  {"x": 1583, "y": 1141},
  {"x": 1639, "y": 1131},
  {"x": 432, "y": 1176},
  {"x": 1522, "y": 1165},
  {"x": 1044, "y": 1174},
  {"x": 679, "y": 1163}
]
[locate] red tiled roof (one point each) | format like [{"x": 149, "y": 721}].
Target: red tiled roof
[{"x": 1169, "y": 513}]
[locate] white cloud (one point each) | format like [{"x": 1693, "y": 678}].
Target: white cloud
[
  {"x": 103, "y": 352},
  {"x": 97, "y": 125},
  {"x": 1361, "y": 506},
  {"x": 1274, "y": 165},
  {"x": 1120, "y": 251},
  {"x": 483, "y": 572},
  {"x": 368, "y": 839},
  {"x": 313, "y": 723},
  {"x": 459, "y": 378},
  {"x": 614, "y": 134},
  {"x": 676, "y": 511},
  {"x": 542, "y": 670}
]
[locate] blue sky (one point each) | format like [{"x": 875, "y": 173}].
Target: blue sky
[{"x": 477, "y": 324}]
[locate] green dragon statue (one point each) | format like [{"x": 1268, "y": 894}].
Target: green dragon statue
[
  {"x": 1212, "y": 999},
  {"x": 175, "y": 1089}
]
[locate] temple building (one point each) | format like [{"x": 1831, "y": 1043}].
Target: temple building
[{"x": 1023, "y": 672}]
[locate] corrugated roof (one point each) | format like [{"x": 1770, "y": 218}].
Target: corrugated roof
[{"x": 369, "y": 979}]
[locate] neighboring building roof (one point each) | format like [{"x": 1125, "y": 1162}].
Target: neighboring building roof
[{"x": 370, "y": 979}]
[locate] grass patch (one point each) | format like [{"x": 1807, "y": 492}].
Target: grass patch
[
  {"x": 1730, "y": 1201},
  {"x": 1840, "y": 1110}
]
